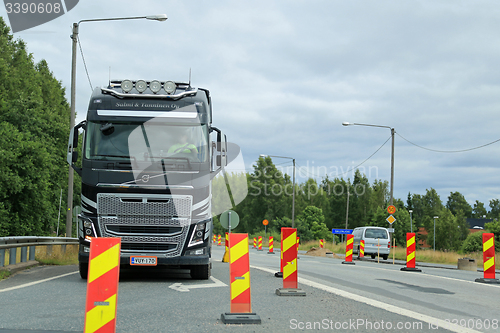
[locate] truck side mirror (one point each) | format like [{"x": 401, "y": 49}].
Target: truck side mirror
[{"x": 72, "y": 153}]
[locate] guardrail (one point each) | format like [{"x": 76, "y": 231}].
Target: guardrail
[{"x": 24, "y": 242}]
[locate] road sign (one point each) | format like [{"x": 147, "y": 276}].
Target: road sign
[
  {"x": 342, "y": 231},
  {"x": 391, "y": 219},
  {"x": 390, "y": 229},
  {"x": 224, "y": 219},
  {"x": 391, "y": 209},
  {"x": 265, "y": 222}
]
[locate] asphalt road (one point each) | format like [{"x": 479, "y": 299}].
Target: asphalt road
[{"x": 365, "y": 297}]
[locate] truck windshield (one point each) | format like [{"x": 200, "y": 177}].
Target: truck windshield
[{"x": 146, "y": 141}]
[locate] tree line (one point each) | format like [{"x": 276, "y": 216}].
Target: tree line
[
  {"x": 320, "y": 207},
  {"x": 34, "y": 129}
]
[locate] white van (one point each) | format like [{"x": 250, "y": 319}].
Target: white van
[{"x": 377, "y": 240}]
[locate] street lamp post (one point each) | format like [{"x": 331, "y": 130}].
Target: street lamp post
[
  {"x": 74, "y": 37},
  {"x": 411, "y": 223},
  {"x": 293, "y": 185},
  {"x": 435, "y": 217},
  {"x": 392, "y": 152}
]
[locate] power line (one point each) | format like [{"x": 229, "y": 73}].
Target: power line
[
  {"x": 85, "y": 64},
  {"x": 355, "y": 167},
  {"x": 447, "y": 151}
]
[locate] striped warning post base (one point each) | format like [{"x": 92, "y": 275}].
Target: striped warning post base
[
  {"x": 348, "y": 250},
  {"x": 239, "y": 278},
  {"x": 410, "y": 253},
  {"x": 271, "y": 245},
  {"x": 290, "y": 275},
  {"x": 488, "y": 259},
  {"x": 102, "y": 285},
  {"x": 260, "y": 244},
  {"x": 321, "y": 245}
]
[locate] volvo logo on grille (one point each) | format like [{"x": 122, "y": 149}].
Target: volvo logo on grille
[{"x": 145, "y": 178}]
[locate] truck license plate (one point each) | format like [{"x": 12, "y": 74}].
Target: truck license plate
[{"x": 143, "y": 261}]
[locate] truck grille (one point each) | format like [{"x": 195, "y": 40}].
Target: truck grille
[{"x": 146, "y": 224}]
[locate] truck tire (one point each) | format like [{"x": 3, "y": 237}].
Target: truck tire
[
  {"x": 83, "y": 267},
  {"x": 201, "y": 272},
  {"x": 373, "y": 256},
  {"x": 385, "y": 256}
]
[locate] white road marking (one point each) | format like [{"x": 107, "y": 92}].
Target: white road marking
[
  {"x": 36, "y": 282},
  {"x": 381, "y": 305},
  {"x": 186, "y": 287}
]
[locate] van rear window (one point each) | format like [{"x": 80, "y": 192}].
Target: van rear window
[{"x": 376, "y": 233}]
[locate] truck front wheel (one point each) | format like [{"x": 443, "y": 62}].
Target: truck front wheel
[
  {"x": 201, "y": 272},
  {"x": 83, "y": 267}
]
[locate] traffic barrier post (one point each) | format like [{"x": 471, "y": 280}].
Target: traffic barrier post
[
  {"x": 255, "y": 242},
  {"x": 410, "y": 253},
  {"x": 215, "y": 239},
  {"x": 225, "y": 257},
  {"x": 219, "y": 240},
  {"x": 239, "y": 278},
  {"x": 488, "y": 259},
  {"x": 321, "y": 244},
  {"x": 348, "y": 250},
  {"x": 271, "y": 245},
  {"x": 290, "y": 276},
  {"x": 102, "y": 285},
  {"x": 361, "y": 252},
  {"x": 260, "y": 244}
]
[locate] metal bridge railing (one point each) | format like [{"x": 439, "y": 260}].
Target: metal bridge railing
[{"x": 23, "y": 242}]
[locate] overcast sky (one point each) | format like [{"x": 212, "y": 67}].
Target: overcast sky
[{"x": 284, "y": 75}]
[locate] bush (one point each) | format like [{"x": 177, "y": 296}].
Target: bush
[{"x": 473, "y": 243}]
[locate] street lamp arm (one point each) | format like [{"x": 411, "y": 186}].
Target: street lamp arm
[
  {"x": 263, "y": 155},
  {"x": 160, "y": 17},
  {"x": 345, "y": 123}
]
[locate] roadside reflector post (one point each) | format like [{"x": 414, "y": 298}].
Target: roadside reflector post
[
  {"x": 348, "y": 250},
  {"x": 290, "y": 276},
  {"x": 260, "y": 244},
  {"x": 102, "y": 285},
  {"x": 488, "y": 259},
  {"x": 239, "y": 278},
  {"x": 321, "y": 244},
  {"x": 410, "y": 253},
  {"x": 271, "y": 245},
  {"x": 280, "y": 273}
]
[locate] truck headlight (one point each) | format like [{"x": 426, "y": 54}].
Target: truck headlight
[{"x": 198, "y": 233}]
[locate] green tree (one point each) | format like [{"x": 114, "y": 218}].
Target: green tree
[
  {"x": 494, "y": 213},
  {"x": 456, "y": 201},
  {"x": 479, "y": 211}
]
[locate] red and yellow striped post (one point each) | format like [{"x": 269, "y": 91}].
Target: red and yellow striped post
[
  {"x": 227, "y": 242},
  {"x": 102, "y": 285},
  {"x": 410, "y": 253},
  {"x": 225, "y": 257},
  {"x": 271, "y": 245},
  {"x": 488, "y": 259},
  {"x": 290, "y": 276},
  {"x": 260, "y": 244},
  {"x": 298, "y": 240},
  {"x": 255, "y": 242},
  {"x": 219, "y": 239},
  {"x": 362, "y": 248},
  {"x": 239, "y": 278},
  {"x": 321, "y": 244},
  {"x": 215, "y": 239},
  {"x": 348, "y": 250}
]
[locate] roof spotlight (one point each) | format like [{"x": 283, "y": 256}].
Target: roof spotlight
[
  {"x": 127, "y": 85},
  {"x": 141, "y": 86},
  {"x": 155, "y": 86},
  {"x": 169, "y": 87}
]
